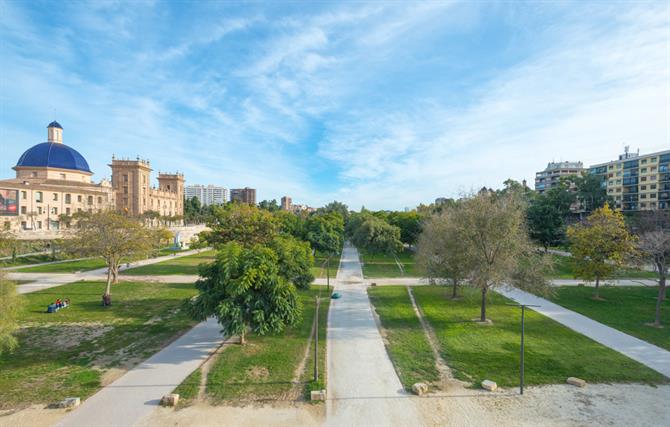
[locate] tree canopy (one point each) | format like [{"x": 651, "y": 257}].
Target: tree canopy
[{"x": 240, "y": 222}]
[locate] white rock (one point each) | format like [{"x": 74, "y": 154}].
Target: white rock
[
  {"x": 70, "y": 402},
  {"x": 318, "y": 395},
  {"x": 576, "y": 381},
  {"x": 489, "y": 385},
  {"x": 420, "y": 389},
  {"x": 170, "y": 400}
]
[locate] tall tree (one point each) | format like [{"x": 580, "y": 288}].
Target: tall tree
[
  {"x": 654, "y": 248},
  {"x": 600, "y": 245},
  {"x": 295, "y": 260},
  {"x": 269, "y": 205},
  {"x": 113, "y": 237},
  {"x": 241, "y": 223},
  {"x": 325, "y": 232},
  {"x": 377, "y": 235},
  {"x": 336, "y": 207},
  {"x": 409, "y": 224},
  {"x": 493, "y": 231},
  {"x": 244, "y": 290},
  {"x": 590, "y": 192},
  {"x": 440, "y": 252},
  {"x": 11, "y": 307}
]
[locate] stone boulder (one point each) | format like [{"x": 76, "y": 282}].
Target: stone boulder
[
  {"x": 317, "y": 395},
  {"x": 170, "y": 400},
  {"x": 489, "y": 385},
  {"x": 69, "y": 402},
  {"x": 578, "y": 382},
  {"x": 420, "y": 389}
]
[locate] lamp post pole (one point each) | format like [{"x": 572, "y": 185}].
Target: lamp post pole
[
  {"x": 316, "y": 341},
  {"x": 521, "y": 355}
]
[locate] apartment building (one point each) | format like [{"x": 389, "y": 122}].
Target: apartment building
[
  {"x": 208, "y": 195},
  {"x": 637, "y": 182},
  {"x": 286, "y": 203},
  {"x": 243, "y": 195},
  {"x": 553, "y": 173}
]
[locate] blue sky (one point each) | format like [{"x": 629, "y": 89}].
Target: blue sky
[{"x": 382, "y": 104}]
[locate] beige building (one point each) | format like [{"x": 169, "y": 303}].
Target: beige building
[
  {"x": 243, "y": 195},
  {"x": 53, "y": 181},
  {"x": 637, "y": 182},
  {"x": 553, "y": 173},
  {"x": 286, "y": 203}
]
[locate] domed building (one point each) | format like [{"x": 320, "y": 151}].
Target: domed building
[{"x": 53, "y": 181}]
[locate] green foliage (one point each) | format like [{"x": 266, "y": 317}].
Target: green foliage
[
  {"x": 376, "y": 235},
  {"x": 325, "y": 232},
  {"x": 290, "y": 223},
  {"x": 600, "y": 245},
  {"x": 242, "y": 223},
  {"x": 409, "y": 224},
  {"x": 295, "y": 260},
  {"x": 244, "y": 290},
  {"x": 335, "y": 207},
  {"x": 9, "y": 313},
  {"x": 590, "y": 193},
  {"x": 547, "y": 213},
  {"x": 269, "y": 205}
]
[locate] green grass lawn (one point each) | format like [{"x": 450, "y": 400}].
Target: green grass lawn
[
  {"x": 407, "y": 344},
  {"x": 67, "y": 353},
  {"x": 563, "y": 270},
  {"x": 264, "y": 368},
  {"x": 66, "y": 267},
  {"x": 379, "y": 265},
  {"x": 27, "y": 260},
  {"x": 626, "y": 308},
  {"x": 320, "y": 268},
  {"x": 553, "y": 352},
  {"x": 179, "y": 265}
]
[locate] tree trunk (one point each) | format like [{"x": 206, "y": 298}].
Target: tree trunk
[
  {"x": 657, "y": 319},
  {"x": 455, "y": 286},
  {"x": 243, "y": 339},
  {"x": 483, "y": 311},
  {"x": 115, "y": 274},
  {"x": 108, "y": 289},
  {"x": 597, "y": 292}
]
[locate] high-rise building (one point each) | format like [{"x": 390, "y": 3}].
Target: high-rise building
[
  {"x": 552, "y": 174},
  {"x": 243, "y": 195},
  {"x": 209, "y": 195},
  {"x": 637, "y": 182},
  {"x": 286, "y": 203}
]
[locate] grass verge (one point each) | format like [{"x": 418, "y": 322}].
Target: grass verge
[
  {"x": 553, "y": 352},
  {"x": 264, "y": 368},
  {"x": 405, "y": 339},
  {"x": 380, "y": 265},
  {"x": 66, "y": 267},
  {"x": 627, "y": 308},
  {"x": 179, "y": 265},
  {"x": 68, "y": 353},
  {"x": 563, "y": 269}
]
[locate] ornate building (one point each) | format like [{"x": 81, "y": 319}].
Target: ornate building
[{"x": 53, "y": 181}]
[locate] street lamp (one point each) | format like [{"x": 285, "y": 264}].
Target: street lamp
[{"x": 523, "y": 316}]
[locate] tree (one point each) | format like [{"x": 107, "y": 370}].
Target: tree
[
  {"x": 600, "y": 245},
  {"x": 113, "y": 237},
  {"x": 377, "y": 235},
  {"x": 654, "y": 247},
  {"x": 270, "y": 205},
  {"x": 493, "y": 232},
  {"x": 162, "y": 236},
  {"x": 409, "y": 224},
  {"x": 241, "y": 223},
  {"x": 325, "y": 232},
  {"x": 335, "y": 207},
  {"x": 440, "y": 253},
  {"x": 590, "y": 193},
  {"x": 244, "y": 290},
  {"x": 290, "y": 223},
  {"x": 11, "y": 307},
  {"x": 295, "y": 260}
]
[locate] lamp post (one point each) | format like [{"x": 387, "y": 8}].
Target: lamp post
[
  {"x": 523, "y": 318},
  {"x": 316, "y": 341}
]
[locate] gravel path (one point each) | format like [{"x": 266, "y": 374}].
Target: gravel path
[
  {"x": 136, "y": 394},
  {"x": 363, "y": 388},
  {"x": 654, "y": 357}
]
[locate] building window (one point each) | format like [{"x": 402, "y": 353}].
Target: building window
[
  {"x": 99, "y": 199},
  {"x": 39, "y": 225},
  {"x": 24, "y": 225},
  {"x": 643, "y": 187},
  {"x": 38, "y": 196},
  {"x": 644, "y": 178},
  {"x": 652, "y": 187},
  {"x": 67, "y": 211},
  {"x": 39, "y": 210},
  {"x": 63, "y": 176},
  {"x": 68, "y": 198},
  {"x": 90, "y": 200},
  {"x": 54, "y": 211},
  {"x": 24, "y": 195},
  {"x": 653, "y": 160},
  {"x": 643, "y": 170},
  {"x": 125, "y": 190},
  {"x": 55, "y": 197},
  {"x": 23, "y": 210},
  {"x": 652, "y": 195},
  {"x": 33, "y": 174},
  {"x": 79, "y": 198},
  {"x": 644, "y": 161},
  {"x": 125, "y": 178}
]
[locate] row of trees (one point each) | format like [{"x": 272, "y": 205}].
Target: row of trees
[
  {"x": 263, "y": 257},
  {"x": 384, "y": 231}
]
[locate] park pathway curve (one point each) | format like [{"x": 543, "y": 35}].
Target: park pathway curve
[
  {"x": 363, "y": 388},
  {"x": 133, "y": 396},
  {"x": 650, "y": 355}
]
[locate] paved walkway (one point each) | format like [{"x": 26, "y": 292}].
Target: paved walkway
[
  {"x": 363, "y": 388},
  {"x": 133, "y": 396},
  {"x": 42, "y": 281},
  {"x": 654, "y": 357}
]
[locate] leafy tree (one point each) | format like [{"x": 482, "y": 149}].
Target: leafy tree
[
  {"x": 600, "y": 245},
  {"x": 493, "y": 232},
  {"x": 377, "y": 235},
  {"x": 325, "y": 232},
  {"x": 440, "y": 252},
  {"x": 335, "y": 207},
  {"x": 12, "y": 304},
  {"x": 295, "y": 260},
  {"x": 290, "y": 223},
  {"x": 590, "y": 193},
  {"x": 244, "y": 290},
  {"x": 112, "y": 236},
  {"x": 409, "y": 224},
  {"x": 269, "y": 205},
  {"x": 241, "y": 223}
]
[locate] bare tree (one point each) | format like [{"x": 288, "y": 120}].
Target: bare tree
[{"x": 654, "y": 247}]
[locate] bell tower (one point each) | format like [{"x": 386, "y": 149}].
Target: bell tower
[{"x": 55, "y": 132}]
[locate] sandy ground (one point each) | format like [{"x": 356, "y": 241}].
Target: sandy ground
[{"x": 32, "y": 416}]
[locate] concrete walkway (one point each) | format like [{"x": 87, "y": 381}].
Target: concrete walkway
[
  {"x": 40, "y": 281},
  {"x": 363, "y": 388},
  {"x": 133, "y": 396},
  {"x": 654, "y": 357}
]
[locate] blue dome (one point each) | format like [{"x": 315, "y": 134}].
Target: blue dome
[{"x": 53, "y": 155}]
